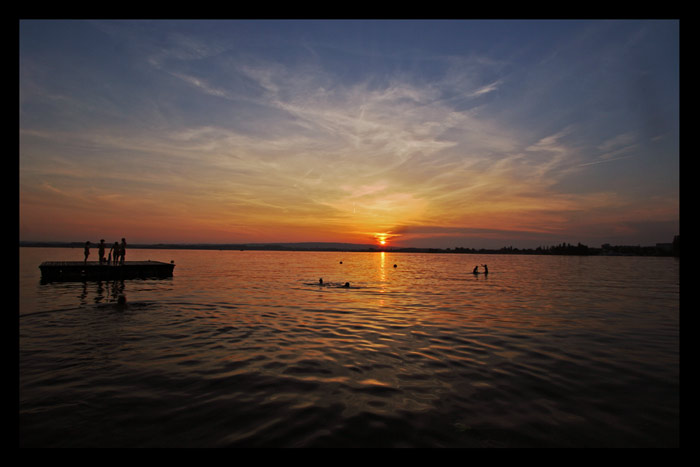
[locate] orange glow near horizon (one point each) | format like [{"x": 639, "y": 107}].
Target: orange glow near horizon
[{"x": 78, "y": 215}]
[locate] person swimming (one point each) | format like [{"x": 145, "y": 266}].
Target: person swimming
[
  {"x": 486, "y": 269},
  {"x": 320, "y": 283},
  {"x": 476, "y": 270}
]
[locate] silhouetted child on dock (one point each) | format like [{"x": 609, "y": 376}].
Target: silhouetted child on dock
[
  {"x": 101, "y": 250},
  {"x": 122, "y": 251}
]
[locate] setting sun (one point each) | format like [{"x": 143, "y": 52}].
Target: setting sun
[{"x": 382, "y": 238}]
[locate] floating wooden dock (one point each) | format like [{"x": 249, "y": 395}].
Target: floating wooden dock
[{"x": 93, "y": 270}]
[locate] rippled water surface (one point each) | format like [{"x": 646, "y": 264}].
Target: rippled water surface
[{"x": 246, "y": 349}]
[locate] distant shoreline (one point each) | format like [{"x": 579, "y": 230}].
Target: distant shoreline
[{"x": 660, "y": 249}]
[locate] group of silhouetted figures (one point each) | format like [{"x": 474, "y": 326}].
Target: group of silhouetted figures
[
  {"x": 117, "y": 252},
  {"x": 347, "y": 284}
]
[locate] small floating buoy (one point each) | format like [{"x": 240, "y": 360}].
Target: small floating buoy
[
  {"x": 394, "y": 265},
  {"x": 341, "y": 262}
]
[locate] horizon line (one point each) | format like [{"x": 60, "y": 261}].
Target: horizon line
[{"x": 327, "y": 244}]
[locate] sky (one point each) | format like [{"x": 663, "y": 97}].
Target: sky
[{"x": 443, "y": 134}]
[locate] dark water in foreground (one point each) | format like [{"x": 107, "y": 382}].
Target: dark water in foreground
[{"x": 244, "y": 349}]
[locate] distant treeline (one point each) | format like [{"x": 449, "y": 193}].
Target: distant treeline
[
  {"x": 580, "y": 250},
  {"x": 660, "y": 249}
]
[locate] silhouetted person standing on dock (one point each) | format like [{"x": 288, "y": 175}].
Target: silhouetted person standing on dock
[
  {"x": 87, "y": 251},
  {"x": 101, "y": 250},
  {"x": 114, "y": 253},
  {"x": 122, "y": 251}
]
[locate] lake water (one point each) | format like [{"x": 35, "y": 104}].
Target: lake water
[{"x": 245, "y": 349}]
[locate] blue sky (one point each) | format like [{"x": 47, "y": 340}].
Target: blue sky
[{"x": 426, "y": 133}]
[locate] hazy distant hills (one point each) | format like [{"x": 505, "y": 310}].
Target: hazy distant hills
[{"x": 316, "y": 246}]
